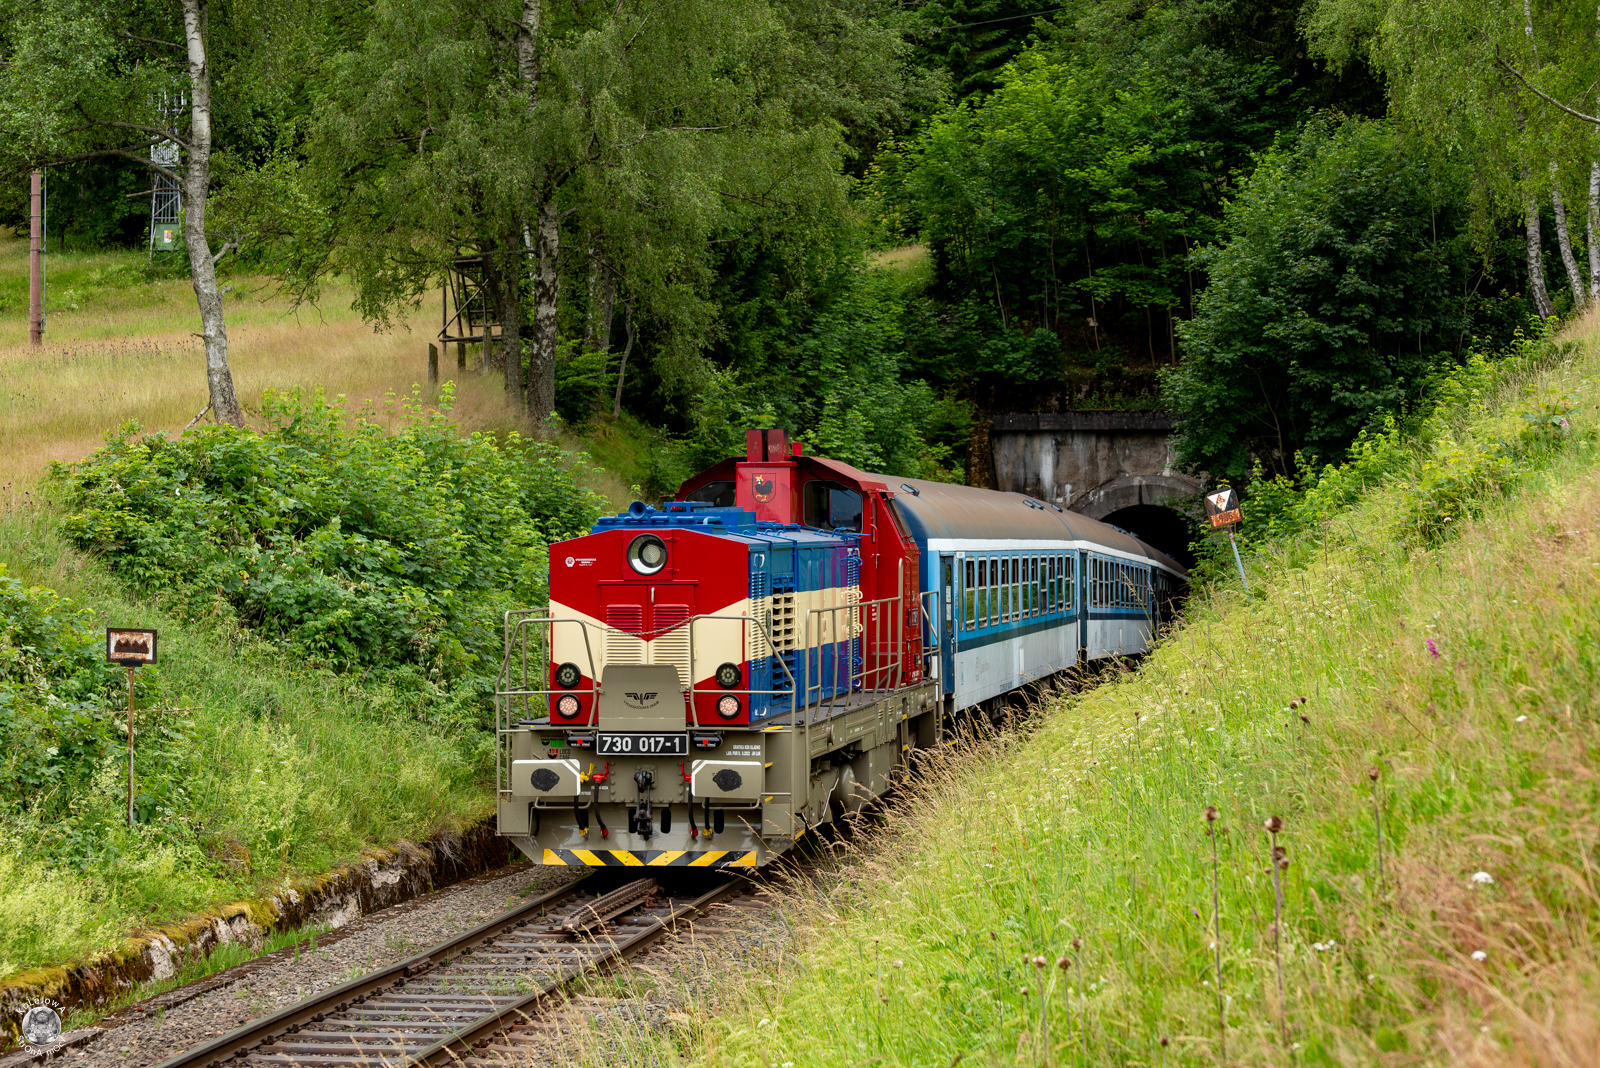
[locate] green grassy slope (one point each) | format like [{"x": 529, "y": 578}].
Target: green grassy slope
[
  {"x": 287, "y": 770},
  {"x": 1051, "y": 900}
]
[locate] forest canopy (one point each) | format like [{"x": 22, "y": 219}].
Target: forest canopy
[{"x": 875, "y": 223}]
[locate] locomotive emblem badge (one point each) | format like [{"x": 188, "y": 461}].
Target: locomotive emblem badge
[
  {"x": 765, "y": 489},
  {"x": 641, "y": 700}
]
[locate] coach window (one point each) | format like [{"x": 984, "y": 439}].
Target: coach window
[
  {"x": 970, "y": 596},
  {"x": 1016, "y": 588},
  {"x": 989, "y": 601},
  {"x": 994, "y": 595},
  {"x": 1005, "y": 589},
  {"x": 983, "y": 593},
  {"x": 1033, "y": 586}
]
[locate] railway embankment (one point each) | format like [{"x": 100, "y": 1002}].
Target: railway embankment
[
  {"x": 315, "y": 907},
  {"x": 1347, "y": 817}
]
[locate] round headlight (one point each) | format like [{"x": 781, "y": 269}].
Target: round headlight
[
  {"x": 568, "y": 705},
  {"x": 647, "y": 554},
  {"x": 728, "y": 676},
  {"x": 727, "y": 706},
  {"x": 568, "y": 676}
]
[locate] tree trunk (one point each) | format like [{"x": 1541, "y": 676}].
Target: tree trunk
[
  {"x": 546, "y": 285},
  {"x": 1535, "y": 248},
  {"x": 627, "y": 350},
  {"x": 1564, "y": 240},
  {"x": 502, "y": 275},
  {"x": 196, "y": 184},
  {"x": 602, "y": 302},
  {"x": 1593, "y": 230}
]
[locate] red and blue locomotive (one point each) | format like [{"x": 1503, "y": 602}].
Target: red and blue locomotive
[{"x": 713, "y": 678}]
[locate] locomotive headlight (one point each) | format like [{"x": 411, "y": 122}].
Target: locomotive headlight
[
  {"x": 568, "y": 705},
  {"x": 647, "y": 554},
  {"x": 568, "y": 676},
  {"x": 727, "y": 706},
  {"x": 728, "y": 676}
]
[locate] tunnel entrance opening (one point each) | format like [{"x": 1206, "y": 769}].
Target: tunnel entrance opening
[{"x": 1158, "y": 527}]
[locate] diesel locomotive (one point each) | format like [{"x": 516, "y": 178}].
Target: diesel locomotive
[{"x": 716, "y": 677}]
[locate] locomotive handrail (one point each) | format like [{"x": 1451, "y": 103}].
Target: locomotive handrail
[
  {"x": 751, "y": 618},
  {"x": 503, "y": 696},
  {"x": 882, "y": 671}
]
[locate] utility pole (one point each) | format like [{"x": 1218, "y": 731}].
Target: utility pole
[{"x": 36, "y": 261}]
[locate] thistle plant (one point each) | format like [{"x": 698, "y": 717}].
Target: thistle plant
[
  {"x": 1216, "y": 935},
  {"x": 1377, "y": 824},
  {"x": 1280, "y": 864}
]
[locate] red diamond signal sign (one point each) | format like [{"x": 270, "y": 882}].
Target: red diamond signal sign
[{"x": 1222, "y": 508}]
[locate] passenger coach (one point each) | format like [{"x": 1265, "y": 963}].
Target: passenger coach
[{"x": 713, "y": 678}]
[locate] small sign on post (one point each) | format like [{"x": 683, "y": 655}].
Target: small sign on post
[
  {"x": 131, "y": 647},
  {"x": 1222, "y": 508}
]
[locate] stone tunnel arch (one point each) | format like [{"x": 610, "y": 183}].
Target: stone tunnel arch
[{"x": 1117, "y": 467}]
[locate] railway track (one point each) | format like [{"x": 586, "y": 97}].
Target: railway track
[{"x": 470, "y": 998}]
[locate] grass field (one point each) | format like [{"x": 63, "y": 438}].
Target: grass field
[
  {"x": 119, "y": 346},
  {"x": 1421, "y": 717}
]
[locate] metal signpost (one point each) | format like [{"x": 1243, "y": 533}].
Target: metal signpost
[
  {"x": 130, "y": 647},
  {"x": 1222, "y": 508}
]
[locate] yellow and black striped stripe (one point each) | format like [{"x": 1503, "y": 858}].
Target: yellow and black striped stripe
[{"x": 652, "y": 858}]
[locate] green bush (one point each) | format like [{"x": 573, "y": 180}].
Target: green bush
[
  {"x": 54, "y": 685},
  {"x": 354, "y": 545}
]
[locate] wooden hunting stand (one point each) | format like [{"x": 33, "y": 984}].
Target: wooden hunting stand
[{"x": 465, "y": 315}]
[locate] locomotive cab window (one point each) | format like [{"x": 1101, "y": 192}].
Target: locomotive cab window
[
  {"x": 720, "y": 493},
  {"x": 830, "y": 505}
]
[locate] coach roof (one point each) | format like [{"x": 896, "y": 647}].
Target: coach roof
[{"x": 943, "y": 511}]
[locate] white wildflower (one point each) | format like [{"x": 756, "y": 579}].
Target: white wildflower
[
  {"x": 1483, "y": 878},
  {"x": 1479, "y": 954}
]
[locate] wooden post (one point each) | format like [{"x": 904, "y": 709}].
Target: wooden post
[
  {"x": 36, "y": 260},
  {"x": 130, "y": 745},
  {"x": 461, "y": 355},
  {"x": 433, "y": 365}
]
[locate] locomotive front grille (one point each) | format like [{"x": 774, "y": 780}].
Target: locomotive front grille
[
  {"x": 671, "y": 642},
  {"x": 622, "y": 643}
]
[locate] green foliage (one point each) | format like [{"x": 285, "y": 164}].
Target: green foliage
[
  {"x": 356, "y": 545},
  {"x": 838, "y": 384},
  {"x": 54, "y": 687},
  {"x": 1440, "y": 467},
  {"x": 1051, "y": 897},
  {"x": 1341, "y": 280}
]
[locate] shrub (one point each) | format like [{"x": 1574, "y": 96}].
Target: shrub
[
  {"x": 351, "y": 543},
  {"x": 54, "y": 683}
]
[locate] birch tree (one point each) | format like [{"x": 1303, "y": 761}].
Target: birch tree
[
  {"x": 529, "y": 135},
  {"x": 86, "y": 79},
  {"x": 1498, "y": 84}
]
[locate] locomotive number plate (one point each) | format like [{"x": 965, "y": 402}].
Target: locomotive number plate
[{"x": 640, "y": 744}]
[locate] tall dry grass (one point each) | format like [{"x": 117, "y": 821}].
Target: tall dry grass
[{"x": 120, "y": 347}]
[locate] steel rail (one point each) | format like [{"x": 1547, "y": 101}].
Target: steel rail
[{"x": 395, "y": 1026}]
